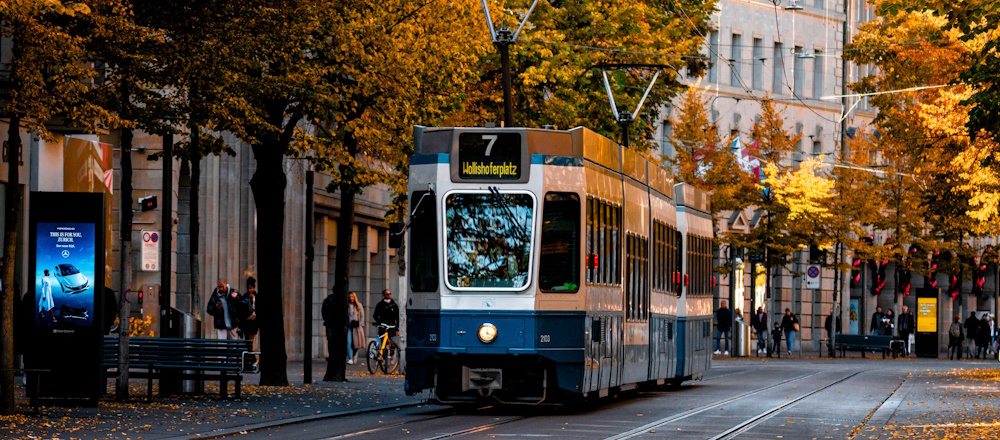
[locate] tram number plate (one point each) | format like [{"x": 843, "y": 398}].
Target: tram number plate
[
  {"x": 489, "y": 156},
  {"x": 545, "y": 338}
]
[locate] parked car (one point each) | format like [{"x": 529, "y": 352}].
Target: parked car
[{"x": 70, "y": 279}]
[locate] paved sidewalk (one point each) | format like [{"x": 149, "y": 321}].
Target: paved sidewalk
[{"x": 201, "y": 416}]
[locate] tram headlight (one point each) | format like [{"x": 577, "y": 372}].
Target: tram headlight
[{"x": 487, "y": 333}]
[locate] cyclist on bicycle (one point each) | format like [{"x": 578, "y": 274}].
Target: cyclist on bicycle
[{"x": 387, "y": 312}]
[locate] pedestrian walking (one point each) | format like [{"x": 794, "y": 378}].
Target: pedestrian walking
[
  {"x": 888, "y": 323},
  {"x": 829, "y": 337},
  {"x": 789, "y": 325},
  {"x": 983, "y": 336},
  {"x": 247, "y": 312},
  {"x": 971, "y": 329},
  {"x": 355, "y": 332},
  {"x": 905, "y": 324},
  {"x": 724, "y": 325},
  {"x": 775, "y": 340},
  {"x": 955, "y": 339},
  {"x": 993, "y": 336},
  {"x": 759, "y": 324},
  {"x": 876, "y": 324},
  {"x": 222, "y": 306}
]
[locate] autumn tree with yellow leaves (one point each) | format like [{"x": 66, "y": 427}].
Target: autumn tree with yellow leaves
[
  {"x": 935, "y": 182},
  {"x": 46, "y": 77},
  {"x": 552, "y": 63}
]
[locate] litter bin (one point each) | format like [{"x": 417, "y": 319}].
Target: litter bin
[
  {"x": 741, "y": 339},
  {"x": 189, "y": 327}
]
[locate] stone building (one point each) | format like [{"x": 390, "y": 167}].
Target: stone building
[{"x": 789, "y": 53}]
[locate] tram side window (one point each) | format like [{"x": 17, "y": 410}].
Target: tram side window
[
  {"x": 423, "y": 245},
  {"x": 604, "y": 244},
  {"x": 636, "y": 277},
  {"x": 591, "y": 232},
  {"x": 559, "y": 269}
]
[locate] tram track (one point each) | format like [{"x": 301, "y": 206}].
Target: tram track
[
  {"x": 754, "y": 421},
  {"x": 741, "y": 427}
]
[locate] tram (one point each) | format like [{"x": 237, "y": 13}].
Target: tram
[{"x": 550, "y": 264}]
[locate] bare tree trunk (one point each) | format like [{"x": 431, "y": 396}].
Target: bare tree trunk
[
  {"x": 195, "y": 221},
  {"x": 125, "y": 265},
  {"x": 11, "y": 214},
  {"x": 268, "y": 186}
]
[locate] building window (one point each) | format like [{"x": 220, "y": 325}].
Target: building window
[
  {"x": 713, "y": 51},
  {"x": 423, "y": 244},
  {"x": 820, "y": 4},
  {"x": 736, "y": 62},
  {"x": 818, "y": 75},
  {"x": 667, "y": 147},
  {"x": 817, "y": 147},
  {"x": 758, "y": 64},
  {"x": 777, "y": 87},
  {"x": 559, "y": 261},
  {"x": 799, "y": 68}
]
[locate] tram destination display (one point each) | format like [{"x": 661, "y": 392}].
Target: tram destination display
[{"x": 489, "y": 156}]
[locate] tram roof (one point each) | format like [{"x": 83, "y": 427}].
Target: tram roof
[{"x": 576, "y": 142}]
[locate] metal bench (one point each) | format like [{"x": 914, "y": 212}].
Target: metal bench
[
  {"x": 863, "y": 343},
  {"x": 181, "y": 358}
]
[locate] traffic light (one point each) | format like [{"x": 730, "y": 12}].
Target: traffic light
[
  {"x": 140, "y": 299},
  {"x": 147, "y": 203}
]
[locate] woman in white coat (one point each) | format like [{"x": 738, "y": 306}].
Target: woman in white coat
[{"x": 355, "y": 331}]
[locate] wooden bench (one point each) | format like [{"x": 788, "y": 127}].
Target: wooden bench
[
  {"x": 863, "y": 343},
  {"x": 181, "y": 358}
]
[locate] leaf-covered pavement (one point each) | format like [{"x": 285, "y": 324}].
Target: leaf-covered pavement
[{"x": 201, "y": 414}]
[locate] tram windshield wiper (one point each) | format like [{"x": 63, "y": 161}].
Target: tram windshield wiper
[{"x": 505, "y": 208}]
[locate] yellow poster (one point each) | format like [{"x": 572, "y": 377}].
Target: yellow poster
[{"x": 927, "y": 315}]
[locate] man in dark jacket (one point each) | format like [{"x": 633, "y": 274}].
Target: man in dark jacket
[
  {"x": 223, "y": 306},
  {"x": 876, "y": 324},
  {"x": 759, "y": 324},
  {"x": 971, "y": 331},
  {"x": 906, "y": 323},
  {"x": 789, "y": 325},
  {"x": 386, "y": 312},
  {"x": 724, "y": 321},
  {"x": 983, "y": 337}
]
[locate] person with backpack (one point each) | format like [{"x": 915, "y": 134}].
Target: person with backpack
[{"x": 955, "y": 339}]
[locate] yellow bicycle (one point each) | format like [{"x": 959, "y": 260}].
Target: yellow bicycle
[{"x": 383, "y": 353}]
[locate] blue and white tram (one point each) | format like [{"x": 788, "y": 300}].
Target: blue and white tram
[{"x": 545, "y": 263}]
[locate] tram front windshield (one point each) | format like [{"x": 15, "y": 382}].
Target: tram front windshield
[{"x": 489, "y": 239}]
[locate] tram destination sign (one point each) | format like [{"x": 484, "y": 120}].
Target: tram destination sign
[{"x": 489, "y": 156}]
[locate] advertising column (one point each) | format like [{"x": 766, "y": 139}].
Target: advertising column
[
  {"x": 66, "y": 264},
  {"x": 926, "y": 337}
]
